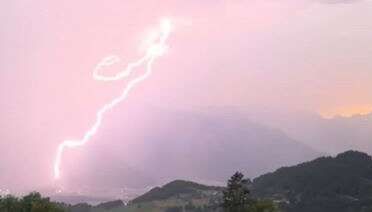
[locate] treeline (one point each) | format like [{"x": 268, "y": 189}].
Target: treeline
[{"x": 32, "y": 202}]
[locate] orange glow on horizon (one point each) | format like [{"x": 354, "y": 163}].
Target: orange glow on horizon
[{"x": 348, "y": 111}]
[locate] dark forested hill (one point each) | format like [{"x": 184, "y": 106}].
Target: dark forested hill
[
  {"x": 176, "y": 189},
  {"x": 327, "y": 184}
]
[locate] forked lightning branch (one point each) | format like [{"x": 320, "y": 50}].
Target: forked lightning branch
[{"x": 156, "y": 48}]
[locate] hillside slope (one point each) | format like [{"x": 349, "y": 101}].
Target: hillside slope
[
  {"x": 178, "y": 189},
  {"x": 327, "y": 184}
]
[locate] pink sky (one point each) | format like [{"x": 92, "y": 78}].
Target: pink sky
[{"x": 307, "y": 55}]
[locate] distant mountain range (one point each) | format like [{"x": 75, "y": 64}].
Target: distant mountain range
[
  {"x": 209, "y": 147},
  {"x": 328, "y": 135},
  {"x": 200, "y": 146}
]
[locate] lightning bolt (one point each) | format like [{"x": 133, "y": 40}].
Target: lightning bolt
[{"x": 156, "y": 48}]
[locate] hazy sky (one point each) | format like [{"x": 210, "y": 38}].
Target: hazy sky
[{"x": 296, "y": 54}]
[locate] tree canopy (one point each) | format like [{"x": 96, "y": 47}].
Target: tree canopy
[
  {"x": 237, "y": 197},
  {"x": 32, "y": 202}
]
